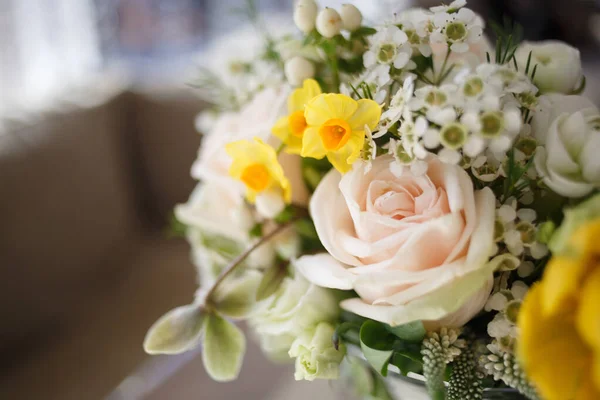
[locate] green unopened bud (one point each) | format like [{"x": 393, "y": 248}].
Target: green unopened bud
[{"x": 545, "y": 231}]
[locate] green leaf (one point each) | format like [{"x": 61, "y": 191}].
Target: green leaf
[
  {"x": 177, "y": 331},
  {"x": 271, "y": 281},
  {"x": 285, "y": 215},
  {"x": 362, "y": 32},
  {"x": 376, "y": 344},
  {"x": 412, "y": 332},
  {"x": 256, "y": 231},
  {"x": 224, "y": 348},
  {"x": 176, "y": 227},
  {"x": 406, "y": 364},
  {"x": 236, "y": 296}
]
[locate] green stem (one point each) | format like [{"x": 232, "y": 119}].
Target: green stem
[
  {"x": 441, "y": 74},
  {"x": 240, "y": 259},
  {"x": 280, "y": 148}
]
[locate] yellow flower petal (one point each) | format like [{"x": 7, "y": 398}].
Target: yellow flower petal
[
  {"x": 312, "y": 146},
  {"x": 368, "y": 113},
  {"x": 588, "y": 313},
  {"x": 301, "y": 96},
  {"x": 339, "y": 159},
  {"x": 561, "y": 282},
  {"x": 551, "y": 350},
  {"x": 329, "y": 106},
  {"x": 255, "y": 163},
  {"x": 281, "y": 129}
]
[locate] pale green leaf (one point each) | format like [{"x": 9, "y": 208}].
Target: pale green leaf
[
  {"x": 224, "y": 348},
  {"x": 236, "y": 296},
  {"x": 412, "y": 332},
  {"x": 271, "y": 281},
  {"x": 177, "y": 331}
]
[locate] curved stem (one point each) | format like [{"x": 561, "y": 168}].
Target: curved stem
[{"x": 239, "y": 259}]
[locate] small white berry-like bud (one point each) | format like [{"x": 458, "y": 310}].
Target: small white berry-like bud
[
  {"x": 351, "y": 17},
  {"x": 297, "y": 69},
  {"x": 329, "y": 23},
  {"x": 305, "y": 15}
]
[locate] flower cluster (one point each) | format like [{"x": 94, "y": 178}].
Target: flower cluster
[{"x": 412, "y": 175}]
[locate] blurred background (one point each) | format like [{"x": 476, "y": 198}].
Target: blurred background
[{"x": 96, "y": 141}]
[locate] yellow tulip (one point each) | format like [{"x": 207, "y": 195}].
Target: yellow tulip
[
  {"x": 255, "y": 164},
  {"x": 559, "y": 321},
  {"x": 336, "y": 128},
  {"x": 290, "y": 128}
]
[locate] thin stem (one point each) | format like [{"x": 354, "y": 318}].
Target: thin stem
[
  {"x": 280, "y": 148},
  {"x": 441, "y": 75},
  {"x": 240, "y": 259},
  {"x": 336, "y": 73}
]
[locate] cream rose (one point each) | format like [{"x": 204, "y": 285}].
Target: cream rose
[
  {"x": 413, "y": 247},
  {"x": 569, "y": 129},
  {"x": 558, "y": 65},
  {"x": 255, "y": 119}
]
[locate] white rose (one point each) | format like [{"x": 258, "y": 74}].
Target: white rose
[
  {"x": 255, "y": 119},
  {"x": 558, "y": 65},
  {"x": 316, "y": 358},
  {"x": 296, "y": 307},
  {"x": 412, "y": 247},
  {"x": 569, "y": 129}
]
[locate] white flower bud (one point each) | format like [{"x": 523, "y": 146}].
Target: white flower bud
[
  {"x": 297, "y": 69},
  {"x": 558, "y": 65},
  {"x": 305, "y": 15},
  {"x": 329, "y": 23},
  {"x": 351, "y": 17}
]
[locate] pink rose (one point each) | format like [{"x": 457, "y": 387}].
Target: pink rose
[{"x": 412, "y": 247}]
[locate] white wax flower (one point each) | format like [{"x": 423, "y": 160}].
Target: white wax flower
[
  {"x": 351, "y": 17},
  {"x": 305, "y": 15},
  {"x": 568, "y": 162},
  {"x": 297, "y": 69},
  {"x": 296, "y": 306},
  {"x": 329, "y": 23},
  {"x": 316, "y": 358},
  {"x": 558, "y": 65}
]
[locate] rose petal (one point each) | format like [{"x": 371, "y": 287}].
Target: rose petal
[{"x": 325, "y": 271}]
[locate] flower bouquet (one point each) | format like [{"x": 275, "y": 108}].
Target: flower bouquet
[{"x": 398, "y": 197}]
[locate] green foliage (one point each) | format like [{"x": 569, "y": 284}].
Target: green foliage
[
  {"x": 314, "y": 170},
  {"x": 177, "y": 229},
  {"x": 406, "y": 364},
  {"x": 177, "y": 331},
  {"x": 227, "y": 248},
  {"x": 285, "y": 216},
  {"x": 381, "y": 347},
  {"x": 271, "y": 280},
  {"x": 508, "y": 38},
  {"x": 256, "y": 231},
  {"x": 235, "y": 296},
  {"x": 224, "y": 348},
  {"x": 515, "y": 180},
  {"x": 411, "y": 332},
  {"x": 377, "y": 345}
]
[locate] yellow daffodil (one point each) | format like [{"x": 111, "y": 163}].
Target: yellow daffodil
[
  {"x": 255, "y": 164},
  {"x": 290, "y": 128},
  {"x": 336, "y": 128},
  {"x": 560, "y": 321}
]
